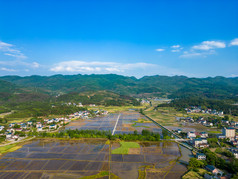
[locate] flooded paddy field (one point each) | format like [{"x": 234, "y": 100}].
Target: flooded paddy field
[
  {"x": 78, "y": 158},
  {"x": 98, "y": 123},
  {"x": 126, "y": 122}
]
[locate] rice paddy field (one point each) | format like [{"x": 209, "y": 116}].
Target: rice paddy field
[
  {"x": 167, "y": 117},
  {"x": 124, "y": 122},
  {"x": 92, "y": 158}
]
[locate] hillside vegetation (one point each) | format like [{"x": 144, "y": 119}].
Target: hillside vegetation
[
  {"x": 176, "y": 86},
  {"x": 115, "y": 90}
]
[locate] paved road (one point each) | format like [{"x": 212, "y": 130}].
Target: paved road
[{"x": 116, "y": 124}]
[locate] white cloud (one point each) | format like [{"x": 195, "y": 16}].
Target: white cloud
[
  {"x": 4, "y": 45},
  {"x": 134, "y": 69},
  {"x": 175, "y": 50},
  {"x": 17, "y": 66},
  {"x": 175, "y": 46},
  {"x": 35, "y": 65},
  {"x": 96, "y": 66},
  {"x": 208, "y": 45},
  {"x": 192, "y": 54},
  {"x": 9, "y": 50},
  {"x": 234, "y": 42},
  {"x": 7, "y": 69},
  {"x": 160, "y": 50}
]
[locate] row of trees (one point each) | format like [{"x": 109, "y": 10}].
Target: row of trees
[{"x": 146, "y": 135}]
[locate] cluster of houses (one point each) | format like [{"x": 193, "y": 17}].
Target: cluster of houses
[
  {"x": 208, "y": 123},
  {"x": 200, "y": 120},
  {"x": 198, "y": 109},
  {"x": 87, "y": 114},
  {"x": 48, "y": 124},
  {"x": 145, "y": 101},
  {"x": 45, "y": 125},
  {"x": 78, "y": 104},
  {"x": 201, "y": 142},
  {"x": 73, "y": 104},
  {"x": 199, "y": 139},
  {"x": 230, "y": 133},
  {"x": 215, "y": 173}
]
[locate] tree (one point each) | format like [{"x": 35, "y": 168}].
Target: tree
[
  {"x": 145, "y": 132},
  {"x": 194, "y": 163},
  {"x": 226, "y": 118}
]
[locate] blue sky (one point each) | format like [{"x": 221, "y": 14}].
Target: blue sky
[{"x": 196, "y": 38}]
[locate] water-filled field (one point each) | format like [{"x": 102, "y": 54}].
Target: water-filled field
[
  {"x": 128, "y": 122},
  {"x": 79, "y": 158}
]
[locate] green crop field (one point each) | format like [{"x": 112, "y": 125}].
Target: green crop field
[{"x": 124, "y": 148}]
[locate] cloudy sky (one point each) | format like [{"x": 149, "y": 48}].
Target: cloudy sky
[{"x": 133, "y": 38}]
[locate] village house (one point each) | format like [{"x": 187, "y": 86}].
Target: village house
[
  {"x": 50, "y": 121},
  {"x": 29, "y": 123},
  {"x": 191, "y": 135},
  {"x": 15, "y": 137},
  {"x": 52, "y": 126},
  {"x": 200, "y": 143},
  {"x": 234, "y": 142},
  {"x": 56, "y": 120},
  {"x": 233, "y": 123},
  {"x": 201, "y": 156},
  {"x": 18, "y": 129},
  {"x": 12, "y": 124},
  {"x": 209, "y": 124},
  {"x": 38, "y": 124},
  {"x": 214, "y": 170},
  {"x": 23, "y": 125},
  {"x": 80, "y": 105},
  {"x": 8, "y": 135},
  {"x": 235, "y": 152},
  {"x": 11, "y": 130},
  {"x": 1, "y": 128},
  {"x": 203, "y": 134},
  {"x": 179, "y": 131},
  {"x": 46, "y": 120}
]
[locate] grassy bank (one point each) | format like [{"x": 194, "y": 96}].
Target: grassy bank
[{"x": 9, "y": 148}]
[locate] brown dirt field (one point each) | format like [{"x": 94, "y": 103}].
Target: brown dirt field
[
  {"x": 134, "y": 151},
  {"x": 128, "y": 127},
  {"x": 79, "y": 123},
  {"x": 152, "y": 150}
]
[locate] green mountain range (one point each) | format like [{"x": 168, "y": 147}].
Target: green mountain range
[
  {"x": 35, "y": 95},
  {"x": 161, "y": 86}
]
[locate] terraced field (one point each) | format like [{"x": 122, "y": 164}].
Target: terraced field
[{"x": 81, "y": 158}]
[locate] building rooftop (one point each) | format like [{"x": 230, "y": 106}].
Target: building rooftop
[
  {"x": 230, "y": 128},
  {"x": 210, "y": 167},
  {"x": 201, "y": 154}
]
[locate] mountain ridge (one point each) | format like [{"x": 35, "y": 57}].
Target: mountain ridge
[{"x": 156, "y": 85}]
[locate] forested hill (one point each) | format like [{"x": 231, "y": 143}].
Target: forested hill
[
  {"x": 7, "y": 87},
  {"x": 174, "y": 87}
]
